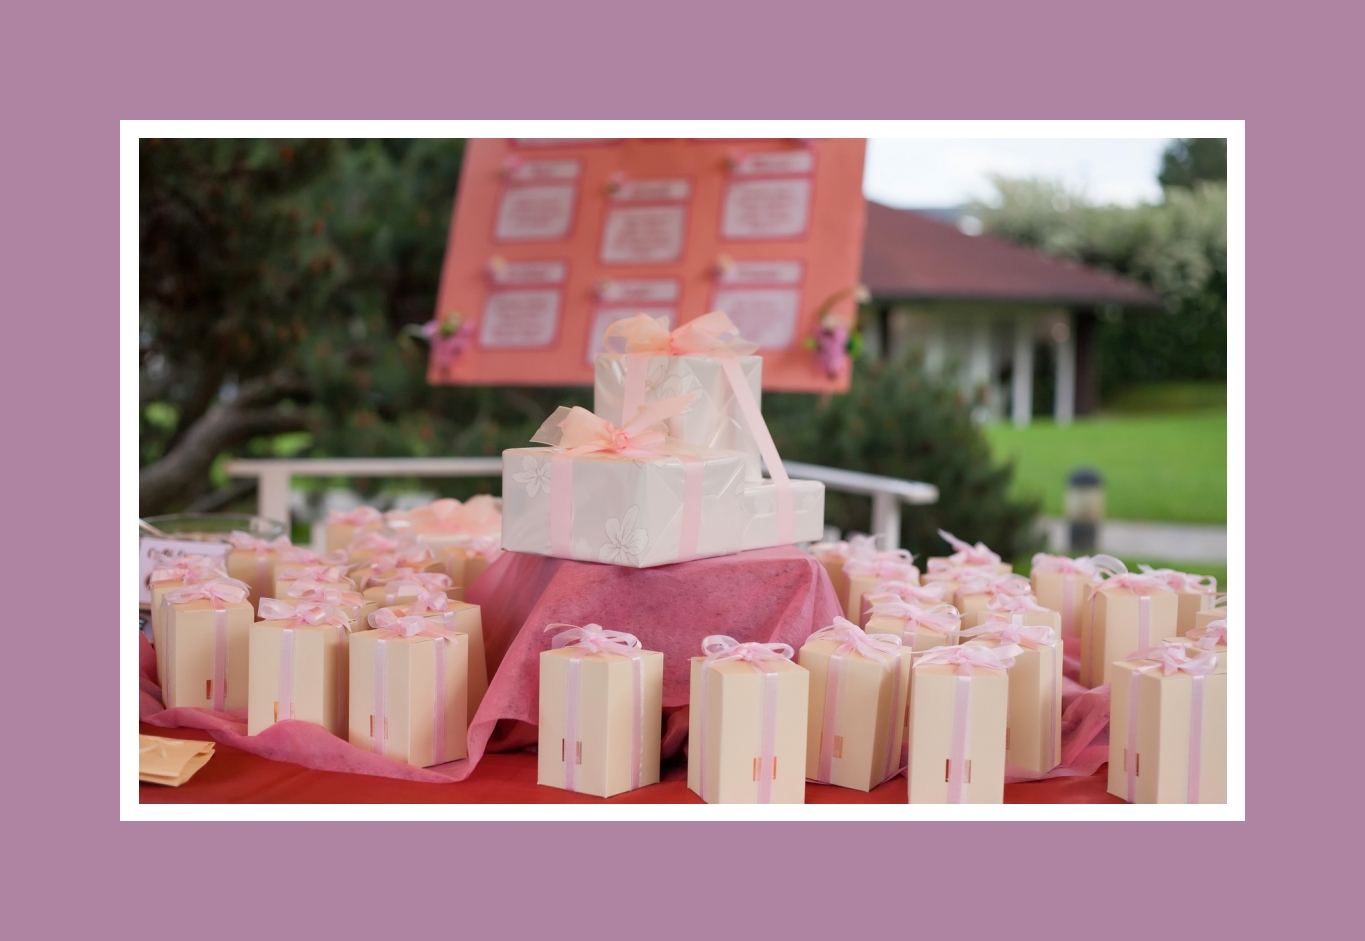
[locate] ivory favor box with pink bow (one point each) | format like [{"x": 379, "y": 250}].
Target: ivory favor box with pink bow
[
  {"x": 974, "y": 595},
  {"x": 1063, "y": 584},
  {"x": 704, "y": 357},
  {"x": 967, "y": 555},
  {"x": 252, "y": 560},
  {"x": 925, "y": 596},
  {"x": 1202, "y": 619},
  {"x": 166, "y": 577},
  {"x": 1033, "y": 727},
  {"x": 332, "y": 575},
  {"x": 1193, "y": 593},
  {"x": 206, "y": 636},
  {"x": 747, "y": 712},
  {"x": 920, "y": 627},
  {"x": 601, "y": 708},
  {"x": 344, "y": 527},
  {"x": 299, "y": 666},
  {"x": 1168, "y": 727},
  {"x": 866, "y": 572},
  {"x": 397, "y": 585},
  {"x": 959, "y": 713},
  {"x": 1127, "y": 613},
  {"x": 458, "y": 616},
  {"x": 409, "y": 697},
  {"x": 859, "y": 690}
]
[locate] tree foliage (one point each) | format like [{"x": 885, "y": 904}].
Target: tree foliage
[
  {"x": 1192, "y": 160},
  {"x": 1178, "y": 247}
]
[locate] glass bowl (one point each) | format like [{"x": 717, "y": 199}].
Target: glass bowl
[{"x": 214, "y": 527}]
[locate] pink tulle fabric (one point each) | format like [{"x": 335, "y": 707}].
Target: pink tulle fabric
[{"x": 670, "y": 608}]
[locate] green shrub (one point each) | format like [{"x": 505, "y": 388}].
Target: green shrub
[{"x": 896, "y": 422}]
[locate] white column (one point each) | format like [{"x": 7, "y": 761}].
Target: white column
[
  {"x": 935, "y": 346},
  {"x": 272, "y": 495},
  {"x": 1064, "y": 410},
  {"x": 886, "y": 518},
  {"x": 979, "y": 355},
  {"x": 1022, "y": 393}
]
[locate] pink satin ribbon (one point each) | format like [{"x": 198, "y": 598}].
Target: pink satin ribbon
[
  {"x": 1169, "y": 658},
  {"x": 892, "y": 565},
  {"x": 582, "y": 432},
  {"x": 382, "y": 568},
  {"x": 376, "y": 542},
  {"x": 590, "y": 639},
  {"x": 320, "y": 572},
  {"x": 219, "y": 593},
  {"x": 921, "y": 595},
  {"x": 306, "y": 590},
  {"x": 967, "y": 554},
  {"x": 394, "y": 627},
  {"x": 851, "y": 640},
  {"x": 710, "y": 335},
  {"x": 314, "y": 614},
  {"x": 423, "y": 582},
  {"x": 1032, "y": 637},
  {"x": 965, "y": 660},
  {"x": 302, "y": 555},
  {"x": 940, "y": 618},
  {"x": 994, "y": 584},
  {"x": 1181, "y": 581},
  {"x": 360, "y": 516},
  {"x": 1210, "y": 635},
  {"x": 719, "y": 648},
  {"x": 1142, "y": 586},
  {"x": 187, "y": 568}
]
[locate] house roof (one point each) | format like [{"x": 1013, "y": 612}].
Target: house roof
[{"x": 909, "y": 255}]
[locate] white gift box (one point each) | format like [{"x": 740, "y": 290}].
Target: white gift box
[
  {"x": 625, "y": 510},
  {"x": 760, "y": 513},
  {"x": 713, "y": 420}
]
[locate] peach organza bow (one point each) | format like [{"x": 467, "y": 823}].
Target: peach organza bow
[{"x": 711, "y": 335}]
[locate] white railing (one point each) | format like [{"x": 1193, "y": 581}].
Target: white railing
[{"x": 274, "y": 476}]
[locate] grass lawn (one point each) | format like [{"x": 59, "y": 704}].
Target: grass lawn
[{"x": 1167, "y": 466}]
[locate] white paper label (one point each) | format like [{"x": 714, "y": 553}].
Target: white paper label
[
  {"x": 762, "y": 272},
  {"x": 639, "y": 291},
  {"x": 605, "y": 317},
  {"x": 766, "y": 316},
  {"x": 536, "y": 171},
  {"x": 152, "y": 552},
  {"x": 535, "y": 213},
  {"x": 528, "y": 272},
  {"x": 775, "y": 163},
  {"x": 765, "y": 209},
  {"x": 644, "y": 234},
  {"x": 653, "y": 191},
  {"x": 519, "y": 319}
]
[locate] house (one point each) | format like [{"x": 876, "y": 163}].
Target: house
[{"x": 985, "y": 312}]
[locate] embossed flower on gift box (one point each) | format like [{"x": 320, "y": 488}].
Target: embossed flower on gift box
[
  {"x": 535, "y": 475},
  {"x": 624, "y": 542}
]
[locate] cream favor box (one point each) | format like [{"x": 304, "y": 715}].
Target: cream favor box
[
  {"x": 747, "y": 724},
  {"x": 1063, "y": 584},
  {"x": 207, "y": 629},
  {"x": 299, "y": 666},
  {"x": 713, "y": 420},
  {"x": 1127, "y": 613},
  {"x": 408, "y": 696},
  {"x": 601, "y": 708},
  {"x": 1168, "y": 727},
  {"x": 1033, "y": 732},
  {"x": 959, "y": 711},
  {"x": 859, "y": 689},
  {"x": 639, "y": 510},
  {"x": 919, "y": 628},
  {"x": 458, "y": 616},
  {"x": 867, "y": 572},
  {"x": 344, "y": 527}
]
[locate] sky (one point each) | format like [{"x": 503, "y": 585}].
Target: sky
[{"x": 919, "y": 173}]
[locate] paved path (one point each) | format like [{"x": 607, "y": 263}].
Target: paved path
[{"x": 1175, "y": 542}]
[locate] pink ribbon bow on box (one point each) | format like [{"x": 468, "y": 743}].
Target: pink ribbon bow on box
[
  {"x": 424, "y": 582},
  {"x": 1140, "y": 584},
  {"x": 315, "y": 614},
  {"x": 940, "y": 618},
  {"x": 310, "y": 590},
  {"x": 1084, "y": 567},
  {"x": 892, "y": 565},
  {"x": 1210, "y": 635},
  {"x": 966, "y": 660},
  {"x": 1181, "y": 581},
  {"x": 710, "y": 335},
  {"x": 320, "y": 572},
  {"x": 360, "y": 516},
  {"x": 219, "y": 593},
  {"x": 393, "y": 627},
  {"x": 1170, "y": 657},
  {"x": 966, "y": 553},
  {"x": 186, "y": 568},
  {"x": 719, "y": 648},
  {"x": 930, "y": 594},
  {"x": 590, "y": 639},
  {"x": 383, "y": 568},
  {"x": 885, "y": 649},
  {"x": 996, "y": 585},
  {"x": 578, "y": 431},
  {"x": 488, "y": 545},
  {"x": 302, "y": 555},
  {"x": 378, "y": 543}
]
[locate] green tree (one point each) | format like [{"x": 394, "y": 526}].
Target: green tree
[
  {"x": 1190, "y": 160},
  {"x": 1178, "y": 247}
]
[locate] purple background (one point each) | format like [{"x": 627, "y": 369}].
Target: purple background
[{"x": 69, "y": 75}]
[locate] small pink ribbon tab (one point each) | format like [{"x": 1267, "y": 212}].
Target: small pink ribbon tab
[
  {"x": 967, "y": 554},
  {"x": 219, "y": 593},
  {"x": 1210, "y": 635},
  {"x": 360, "y": 516},
  {"x": 1170, "y": 658},
  {"x": 850, "y": 640},
  {"x": 892, "y": 565},
  {"x": 719, "y": 648},
  {"x": 408, "y": 626},
  {"x": 590, "y": 639}
]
